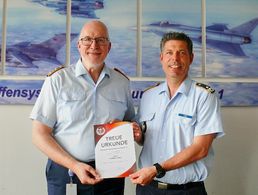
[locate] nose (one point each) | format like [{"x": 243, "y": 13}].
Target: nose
[
  {"x": 93, "y": 43},
  {"x": 176, "y": 56}
]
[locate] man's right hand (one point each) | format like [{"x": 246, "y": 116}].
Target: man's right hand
[{"x": 86, "y": 173}]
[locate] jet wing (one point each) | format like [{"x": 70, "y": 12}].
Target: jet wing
[
  {"x": 231, "y": 48},
  {"x": 157, "y": 32},
  {"x": 18, "y": 59}
]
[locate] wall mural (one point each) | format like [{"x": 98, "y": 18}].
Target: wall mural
[
  {"x": 121, "y": 19},
  {"x": 158, "y": 18},
  {"x": 36, "y": 43},
  {"x": 232, "y": 38}
]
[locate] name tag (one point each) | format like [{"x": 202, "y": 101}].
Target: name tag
[
  {"x": 71, "y": 189},
  {"x": 185, "y": 115}
]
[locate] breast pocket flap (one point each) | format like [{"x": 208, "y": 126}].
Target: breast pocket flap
[
  {"x": 73, "y": 96},
  {"x": 147, "y": 117}
]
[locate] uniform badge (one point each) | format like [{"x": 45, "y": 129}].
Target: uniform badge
[
  {"x": 207, "y": 87},
  {"x": 119, "y": 71},
  {"x": 157, "y": 84},
  {"x": 55, "y": 70}
]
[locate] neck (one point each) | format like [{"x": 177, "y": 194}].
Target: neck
[
  {"x": 95, "y": 73},
  {"x": 173, "y": 85},
  {"x": 94, "y": 70}
]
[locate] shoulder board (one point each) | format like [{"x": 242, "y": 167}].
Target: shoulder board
[
  {"x": 55, "y": 70},
  {"x": 207, "y": 87},
  {"x": 121, "y": 73},
  {"x": 157, "y": 84}
]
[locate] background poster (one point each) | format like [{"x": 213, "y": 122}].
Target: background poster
[
  {"x": 156, "y": 19},
  {"x": 120, "y": 17},
  {"x": 35, "y": 38},
  {"x": 19, "y": 91},
  {"x": 26, "y": 92},
  {"x": 228, "y": 93},
  {"x": 237, "y": 55},
  {"x": 35, "y": 42}
]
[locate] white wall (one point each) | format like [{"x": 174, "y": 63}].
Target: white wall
[
  {"x": 234, "y": 173},
  {"x": 236, "y": 164}
]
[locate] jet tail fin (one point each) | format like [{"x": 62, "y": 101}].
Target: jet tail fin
[
  {"x": 58, "y": 41},
  {"x": 246, "y": 28}
]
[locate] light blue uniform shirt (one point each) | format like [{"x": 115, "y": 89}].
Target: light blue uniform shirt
[
  {"x": 172, "y": 125},
  {"x": 71, "y": 103}
]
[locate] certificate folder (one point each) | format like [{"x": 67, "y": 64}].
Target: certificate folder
[{"x": 114, "y": 149}]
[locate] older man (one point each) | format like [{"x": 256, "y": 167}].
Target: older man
[{"x": 71, "y": 101}]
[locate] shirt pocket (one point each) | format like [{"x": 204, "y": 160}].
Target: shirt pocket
[
  {"x": 116, "y": 106},
  {"x": 185, "y": 118},
  {"x": 72, "y": 105},
  {"x": 185, "y": 123}
]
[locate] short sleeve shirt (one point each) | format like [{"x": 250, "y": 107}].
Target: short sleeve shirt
[{"x": 172, "y": 124}]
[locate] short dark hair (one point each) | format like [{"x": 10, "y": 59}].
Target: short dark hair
[{"x": 176, "y": 36}]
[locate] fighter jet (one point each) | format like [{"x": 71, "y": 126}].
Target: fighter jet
[
  {"x": 79, "y": 8},
  {"x": 24, "y": 54},
  {"x": 218, "y": 35}
]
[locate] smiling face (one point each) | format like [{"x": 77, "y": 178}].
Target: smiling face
[
  {"x": 94, "y": 54},
  {"x": 176, "y": 59}
]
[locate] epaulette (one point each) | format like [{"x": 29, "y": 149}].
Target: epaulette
[
  {"x": 121, "y": 73},
  {"x": 157, "y": 84},
  {"x": 55, "y": 70},
  {"x": 207, "y": 87}
]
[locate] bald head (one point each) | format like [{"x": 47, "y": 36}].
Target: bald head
[{"x": 93, "y": 26}]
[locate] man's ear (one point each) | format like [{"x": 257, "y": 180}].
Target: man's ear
[
  {"x": 109, "y": 47},
  {"x": 192, "y": 57},
  {"x": 161, "y": 56}
]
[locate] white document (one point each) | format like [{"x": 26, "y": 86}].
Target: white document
[{"x": 115, "y": 149}]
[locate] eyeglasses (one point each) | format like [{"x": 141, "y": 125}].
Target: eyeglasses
[{"x": 87, "y": 41}]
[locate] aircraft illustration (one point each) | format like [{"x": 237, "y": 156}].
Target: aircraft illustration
[
  {"x": 24, "y": 54},
  {"x": 218, "y": 35},
  {"x": 79, "y": 8}
]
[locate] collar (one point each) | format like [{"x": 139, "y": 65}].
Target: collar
[
  {"x": 184, "y": 88},
  {"x": 81, "y": 70}
]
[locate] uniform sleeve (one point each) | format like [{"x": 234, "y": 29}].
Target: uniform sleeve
[
  {"x": 209, "y": 116},
  {"x": 44, "y": 109},
  {"x": 130, "y": 113}
]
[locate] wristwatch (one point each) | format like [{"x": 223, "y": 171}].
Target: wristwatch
[
  {"x": 143, "y": 126},
  {"x": 160, "y": 171}
]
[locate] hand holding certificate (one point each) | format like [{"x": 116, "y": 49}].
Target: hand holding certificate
[{"x": 114, "y": 150}]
